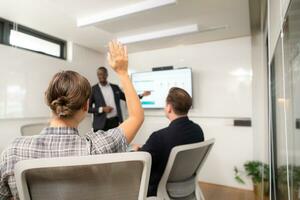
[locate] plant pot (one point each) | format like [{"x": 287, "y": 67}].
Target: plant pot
[
  {"x": 261, "y": 191},
  {"x": 283, "y": 191}
]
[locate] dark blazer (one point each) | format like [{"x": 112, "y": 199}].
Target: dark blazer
[
  {"x": 180, "y": 131},
  {"x": 97, "y": 101}
]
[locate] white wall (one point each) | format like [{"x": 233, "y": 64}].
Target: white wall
[
  {"x": 85, "y": 61},
  {"x": 222, "y": 91},
  {"x": 25, "y": 75}
]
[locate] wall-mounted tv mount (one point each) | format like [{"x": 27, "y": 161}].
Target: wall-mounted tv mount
[{"x": 162, "y": 68}]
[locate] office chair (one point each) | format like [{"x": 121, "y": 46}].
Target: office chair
[
  {"x": 32, "y": 129},
  {"x": 108, "y": 176},
  {"x": 179, "y": 180}
]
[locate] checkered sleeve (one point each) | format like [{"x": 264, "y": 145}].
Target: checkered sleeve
[
  {"x": 4, "y": 188},
  {"x": 110, "y": 141}
]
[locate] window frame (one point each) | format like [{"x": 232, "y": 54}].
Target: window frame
[{"x": 7, "y": 26}]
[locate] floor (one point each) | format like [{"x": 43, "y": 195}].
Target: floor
[{"x": 218, "y": 192}]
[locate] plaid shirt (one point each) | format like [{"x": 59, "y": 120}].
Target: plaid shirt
[{"x": 55, "y": 142}]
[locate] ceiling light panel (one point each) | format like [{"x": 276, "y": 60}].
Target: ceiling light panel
[
  {"x": 123, "y": 11},
  {"x": 160, "y": 34}
]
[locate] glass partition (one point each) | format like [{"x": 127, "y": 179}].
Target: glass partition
[{"x": 285, "y": 89}]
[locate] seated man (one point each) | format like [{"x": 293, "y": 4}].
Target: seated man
[{"x": 180, "y": 131}]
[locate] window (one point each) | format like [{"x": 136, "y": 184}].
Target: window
[
  {"x": 26, "y": 41},
  {"x": 29, "y": 39}
]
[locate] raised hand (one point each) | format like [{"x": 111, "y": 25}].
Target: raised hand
[
  {"x": 118, "y": 58},
  {"x": 107, "y": 109}
]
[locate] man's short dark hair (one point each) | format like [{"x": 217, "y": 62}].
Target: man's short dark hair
[
  {"x": 103, "y": 69},
  {"x": 180, "y": 100}
]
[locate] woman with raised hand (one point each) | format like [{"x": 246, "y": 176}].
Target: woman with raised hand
[{"x": 67, "y": 96}]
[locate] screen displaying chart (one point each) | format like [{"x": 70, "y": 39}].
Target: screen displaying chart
[{"x": 159, "y": 83}]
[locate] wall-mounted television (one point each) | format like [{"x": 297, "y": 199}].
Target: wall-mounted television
[{"x": 159, "y": 83}]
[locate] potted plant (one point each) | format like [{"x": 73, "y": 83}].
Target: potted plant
[
  {"x": 259, "y": 174},
  {"x": 282, "y": 184}
]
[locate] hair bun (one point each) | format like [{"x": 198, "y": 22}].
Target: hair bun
[
  {"x": 62, "y": 101},
  {"x": 67, "y": 93},
  {"x": 61, "y": 106}
]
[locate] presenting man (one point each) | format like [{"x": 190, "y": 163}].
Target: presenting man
[
  {"x": 105, "y": 102},
  {"x": 180, "y": 131}
]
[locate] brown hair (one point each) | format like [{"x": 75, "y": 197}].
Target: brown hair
[
  {"x": 67, "y": 93},
  {"x": 180, "y": 100}
]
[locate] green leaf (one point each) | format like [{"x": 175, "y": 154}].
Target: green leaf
[{"x": 239, "y": 180}]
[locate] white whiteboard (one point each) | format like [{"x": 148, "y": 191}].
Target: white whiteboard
[
  {"x": 159, "y": 83},
  {"x": 24, "y": 78}
]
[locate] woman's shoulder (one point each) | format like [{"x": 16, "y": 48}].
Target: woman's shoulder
[
  {"x": 101, "y": 134},
  {"x": 14, "y": 151},
  {"x": 109, "y": 141}
]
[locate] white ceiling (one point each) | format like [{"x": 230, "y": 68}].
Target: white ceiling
[{"x": 59, "y": 18}]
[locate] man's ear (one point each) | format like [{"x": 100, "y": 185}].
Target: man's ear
[
  {"x": 168, "y": 108},
  {"x": 86, "y": 106}
]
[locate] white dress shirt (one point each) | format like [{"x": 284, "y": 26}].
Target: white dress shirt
[{"x": 109, "y": 99}]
